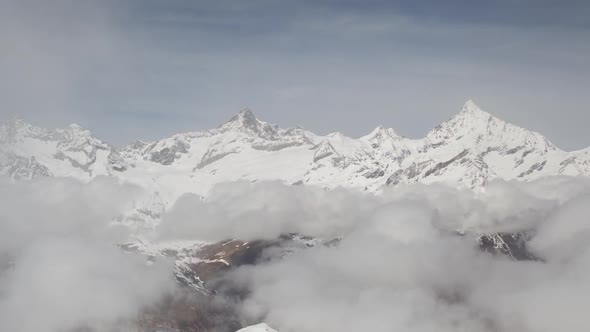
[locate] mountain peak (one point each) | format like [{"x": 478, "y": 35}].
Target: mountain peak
[
  {"x": 480, "y": 129},
  {"x": 381, "y": 132},
  {"x": 17, "y": 121},
  {"x": 471, "y": 110},
  {"x": 18, "y": 127},
  {"x": 246, "y": 113},
  {"x": 471, "y": 106},
  {"x": 245, "y": 122},
  {"x": 75, "y": 132},
  {"x": 471, "y": 116},
  {"x": 244, "y": 118},
  {"x": 75, "y": 127}
]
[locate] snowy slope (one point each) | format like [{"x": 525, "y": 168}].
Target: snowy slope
[
  {"x": 27, "y": 151},
  {"x": 469, "y": 150},
  {"x": 262, "y": 327},
  {"x": 474, "y": 147}
]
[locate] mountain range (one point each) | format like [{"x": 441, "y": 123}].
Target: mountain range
[{"x": 469, "y": 150}]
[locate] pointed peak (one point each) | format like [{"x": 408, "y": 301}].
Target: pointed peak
[
  {"x": 245, "y": 112},
  {"x": 323, "y": 150},
  {"x": 471, "y": 106},
  {"x": 244, "y": 117},
  {"x": 17, "y": 125},
  {"x": 381, "y": 132},
  {"x": 75, "y": 127},
  {"x": 245, "y": 122},
  {"x": 473, "y": 110},
  {"x": 470, "y": 114},
  {"x": 17, "y": 121},
  {"x": 75, "y": 130}
]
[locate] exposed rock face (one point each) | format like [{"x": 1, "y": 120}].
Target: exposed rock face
[
  {"x": 203, "y": 305},
  {"x": 323, "y": 150},
  {"x": 22, "y": 168},
  {"x": 200, "y": 309},
  {"x": 512, "y": 245},
  {"x": 190, "y": 312}
]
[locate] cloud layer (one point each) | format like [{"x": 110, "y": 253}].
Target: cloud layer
[
  {"x": 59, "y": 266},
  {"x": 408, "y": 259},
  {"x": 401, "y": 264}
]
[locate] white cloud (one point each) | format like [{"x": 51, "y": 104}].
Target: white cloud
[
  {"x": 59, "y": 264},
  {"x": 400, "y": 266}
]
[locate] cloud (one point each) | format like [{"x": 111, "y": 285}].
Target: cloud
[
  {"x": 60, "y": 267},
  {"x": 263, "y": 210},
  {"x": 401, "y": 265}
]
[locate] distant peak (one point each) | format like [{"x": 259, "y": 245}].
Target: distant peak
[
  {"x": 245, "y": 112},
  {"x": 245, "y": 121},
  {"x": 471, "y": 106},
  {"x": 245, "y": 117},
  {"x": 18, "y": 121},
  {"x": 75, "y": 127},
  {"x": 470, "y": 113},
  {"x": 380, "y": 130},
  {"x": 381, "y": 133},
  {"x": 473, "y": 110}
]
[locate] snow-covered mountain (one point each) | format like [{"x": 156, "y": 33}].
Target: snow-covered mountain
[
  {"x": 470, "y": 149},
  {"x": 474, "y": 147},
  {"x": 27, "y": 151}
]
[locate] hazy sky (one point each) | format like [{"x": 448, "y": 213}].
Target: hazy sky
[{"x": 144, "y": 69}]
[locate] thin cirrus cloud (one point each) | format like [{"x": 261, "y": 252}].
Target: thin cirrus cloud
[{"x": 146, "y": 69}]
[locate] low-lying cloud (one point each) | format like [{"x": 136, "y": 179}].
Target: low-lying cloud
[
  {"x": 265, "y": 210},
  {"x": 60, "y": 268},
  {"x": 408, "y": 258},
  {"x": 402, "y": 263}
]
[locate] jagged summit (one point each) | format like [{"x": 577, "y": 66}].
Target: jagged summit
[
  {"x": 381, "y": 133},
  {"x": 245, "y": 117},
  {"x": 17, "y": 128},
  {"x": 75, "y": 127},
  {"x": 471, "y": 114},
  {"x": 17, "y": 121},
  {"x": 471, "y": 107},
  {"x": 323, "y": 150},
  {"x": 481, "y": 130},
  {"x": 245, "y": 122}
]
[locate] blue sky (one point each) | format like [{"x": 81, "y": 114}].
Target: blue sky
[{"x": 145, "y": 69}]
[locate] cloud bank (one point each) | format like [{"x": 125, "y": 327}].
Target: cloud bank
[
  {"x": 408, "y": 258},
  {"x": 59, "y": 267},
  {"x": 402, "y": 264}
]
